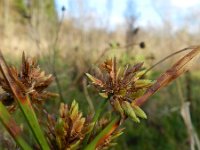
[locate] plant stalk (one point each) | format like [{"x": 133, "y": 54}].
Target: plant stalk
[{"x": 109, "y": 129}]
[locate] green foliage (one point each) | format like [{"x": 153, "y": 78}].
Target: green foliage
[
  {"x": 21, "y": 8},
  {"x": 50, "y": 9},
  {"x": 12, "y": 127}
]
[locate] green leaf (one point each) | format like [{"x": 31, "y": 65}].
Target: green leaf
[
  {"x": 31, "y": 118},
  {"x": 12, "y": 127},
  {"x": 92, "y": 145}
]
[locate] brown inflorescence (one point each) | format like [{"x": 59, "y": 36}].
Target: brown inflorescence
[
  {"x": 31, "y": 80},
  {"x": 70, "y": 129},
  {"x": 121, "y": 87}
]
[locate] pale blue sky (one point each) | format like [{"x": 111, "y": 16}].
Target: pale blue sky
[{"x": 147, "y": 11}]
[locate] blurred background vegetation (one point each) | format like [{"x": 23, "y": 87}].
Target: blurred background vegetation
[{"x": 69, "y": 41}]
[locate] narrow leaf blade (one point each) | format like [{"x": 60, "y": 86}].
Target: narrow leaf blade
[{"x": 12, "y": 127}]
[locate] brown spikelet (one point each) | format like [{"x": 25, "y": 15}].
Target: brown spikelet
[{"x": 70, "y": 129}]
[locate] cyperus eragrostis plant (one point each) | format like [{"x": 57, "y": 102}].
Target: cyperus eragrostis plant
[
  {"x": 125, "y": 89},
  {"x": 122, "y": 86}
]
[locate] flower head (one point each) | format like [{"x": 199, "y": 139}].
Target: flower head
[
  {"x": 70, "y": 129},
  {"x": 121, "y": 87},
  {"x": 31, "y": 79}
]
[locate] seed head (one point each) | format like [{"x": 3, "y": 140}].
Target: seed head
[
  {"x": 31, "y": 80},
  {"x": 70, "y": 129},
  {"x": 121, "y": 87}
]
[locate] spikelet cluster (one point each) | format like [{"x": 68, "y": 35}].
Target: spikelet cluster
[
  {"x": 68, "y": 131},
  {"x": 31, "y": 80},
  {"x": 121, "y": 87}
]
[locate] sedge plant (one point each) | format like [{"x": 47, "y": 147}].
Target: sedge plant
[{"x": 125, "y": 89}]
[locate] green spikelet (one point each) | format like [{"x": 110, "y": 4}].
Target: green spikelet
[
  {"x": 140, "y": 74},
  {"x": 139, "y": 112},
  {"x": 118, "y": 108},
  {"x": 75, "y": 145},
  {"x": 74, "y": 109},
  {"x": 104, "y": 95},
  {"x": 129, "y": 111},
  {"x": 94, "y": 80},
  {"x": 122, "y": 92},
  {"x": 74, "y": 103},
  {"x": 138, "y": 93},
  {"x": 143, "y": 83},
  {"x": 60, "y": 127}
]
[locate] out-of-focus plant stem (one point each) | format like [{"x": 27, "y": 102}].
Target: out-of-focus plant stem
[
  {"x": 171, "y": 74},
  {"x": 167, "y": 57},
  {"x": 54, "y": 54},
  {"x": 188, "y": 81},
  {"x": 186, "y": 115}
]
